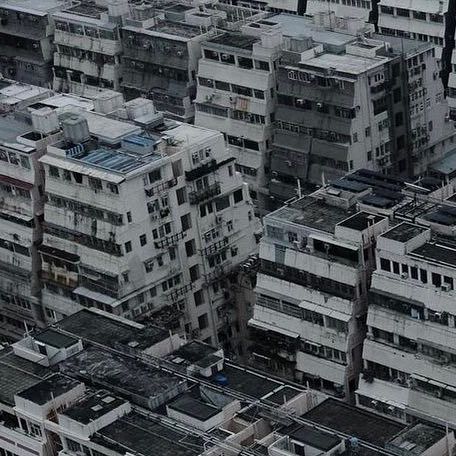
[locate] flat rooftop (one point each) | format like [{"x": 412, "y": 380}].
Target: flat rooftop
[
  {"x": 441, "y": 252},
  {"x": 417, "y": 439},
  {"x": 55, "y": 339},
  {"x": 40, "y": 6},
  {"x": 311, "y": 212},
  {"x": 344, "y": 63},
  {"x": 87, "y": 10},
  {"x": 353, "y": 421},
  {"x": 234, "y": 40},
  {"x": 11, "y": 128},
  {"x": 194, "y": 407},
  {"x": 180, "y": 31},
  {"x": 446, "y": 165},
  {"x": 283, "y": 395},
  {"x": 360, "y": 221},
  {"x": 194, "y": 351},
  {"x": 17, "y": 374},
  {"x": 301, "y": 26},
  {"x": 312, "y": 437},
  {"x": 93, "y": 406},
  {"x": 108, "y": 331},
  {"x": 126, "y": 375},
  {"x": 403, "y": 232},
  {"x": 136, "y": 434},
  {"x": 403, "y": 45},
  {"x": 46, "y": 390},
  {"x": 248, "y": 382}
]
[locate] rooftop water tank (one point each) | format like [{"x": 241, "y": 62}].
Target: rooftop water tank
[
  {"x": 45, "y": 120},
  {"x": 76, "y": 128}
]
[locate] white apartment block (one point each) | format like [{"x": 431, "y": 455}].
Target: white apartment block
[
  {"x": 144, "y": 222},
  {"x": 236, "y": 95},
  {"x": 409, "y": 351},
  {"x": 26, "y": 39},
  {"x": 88, "y": 47},
  {"x": 308, "y": 323}
]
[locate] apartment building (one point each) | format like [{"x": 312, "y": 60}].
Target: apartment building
[
  {"x": 336, "y": 114},
  {"x": 140, "y": 390},
  {"x": 408, "y": 355},
  {"x": 161, "y": 57},
  {"x": 26, "y": 37},
  {"x": 140, "y": 223},
  {"x": 316, "y": 258},
  {"x": 88, "y": 47},
  {"x": 237, "y": 96}
]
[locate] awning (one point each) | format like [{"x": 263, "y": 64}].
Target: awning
[
  {"x": 57, "y": 253},
  {"x": 325, "y": 311},
  {"x": 99, "y": 297},
  {"x": 269, "y": 327}
]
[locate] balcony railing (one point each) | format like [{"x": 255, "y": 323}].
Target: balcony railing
[
  {"x": 201, "y": 171},
  {"x": 215, "y": 247},
  {"x": 169, "y": 241},
  {"x": 207, "y": 193},
  {"x": 160, "y": 188}
]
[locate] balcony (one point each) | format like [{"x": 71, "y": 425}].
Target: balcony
[
  {"x": 61, "y": 280},
  {"x": 100, "y": 45},
  {"x": 215, "y": 247},
  {"x": 219, "y": 271},
  {"x": 170, "y": 241},
  {"x": 88, "y": 67},
  {"x": 205, "y": 194},
  {"x": 201, "y": 170},
  {"x": 175, "y": 294},
  {"x": 160, "y": 188}
]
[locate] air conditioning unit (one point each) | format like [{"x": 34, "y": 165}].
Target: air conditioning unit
[
  {"x": 225, "y": 56},
  {"x": 218, "y": 219},
  {"x": 292, "y": 75},
  {"x": 445, "y": 287},
  {"x": 374, "y": 403},
  {"x": 391, "y": 409},
  {"x": 404, "y": 275}
]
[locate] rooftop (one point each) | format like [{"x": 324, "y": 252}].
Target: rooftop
[
  {"x": 345, "y": 63},
  {"x": 441, "y": 252},
  {"x": 180, "y": 31},
  {"x": 111, "y": 332},
  {"x": 196, "y": 352},
  {"x": 131, "y": 377},
  {"x": 403, "y": 45},
  {"x": 194, "y": 407},
  {"x": 248, "y": 382},
  {"x": 11, "y": 128},
  {"x": 87, "y": 10},
  {"x": 312, "y": 437},
  {"x": 136, "y": 434},
  {"x": 301, "y": 26},
  {"x": 32, "y": 5},
  {"x": 16, "y": 375},
  {"x": 446, "y": 165},
  {"x": 355, "y": 422},
  {"x": 234, "y": 40},
  {"x": 283, "y": 395},
  {"x": 55, "y": 339},
  {"x": 46, "y": 390},
  {"x": 417, "y": 439},
  {"x": 93, "y": 406},
  {"x": 404, "y": 232},
  {"x": 360, "y": 221},
  {"x": 311, "y": 212}
]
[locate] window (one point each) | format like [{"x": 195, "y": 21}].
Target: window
[
  {"x": 423, "y": 275},
  {"x": 198, "y": 297},
  {"x": 237, "y": 195},
  {"x": 436, "y": 279},
  {"x": 125, "y": 277},
  {"x": 367, "y": 131},
  {"x": 190, "y": 248},
  {"x": 186, "y": 222},
  {"x": 397, "y": 97},
  {"x": 54, "y": 172},
  {"x": 229, "y": 225},
  {"x": 194, "y": 273},
  {"x": 113, "y": 188},
  {"x": 143, "y": 239},
  {"x": 230, "y": 170},
  {"x": 395, "y": 267},
  {"x": 234, "y": 251},
  {"x": 128, "y": 246},
  {"x": 399, "y": 119},
  {"x": 129, "y": 219},
  {"x": 222, "y": 203},
  {"x": 177, "y": 168},
  {"x": 203, "y": 321},
  {"x": 73, "y": 446},
  {"x": 154, "y": 176},
  {"x": 355, "y": 137},
  {"x": 414, "y": 272},
  {"x": 181, "y": 194},
  {"x": 385, "y": 264}
]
